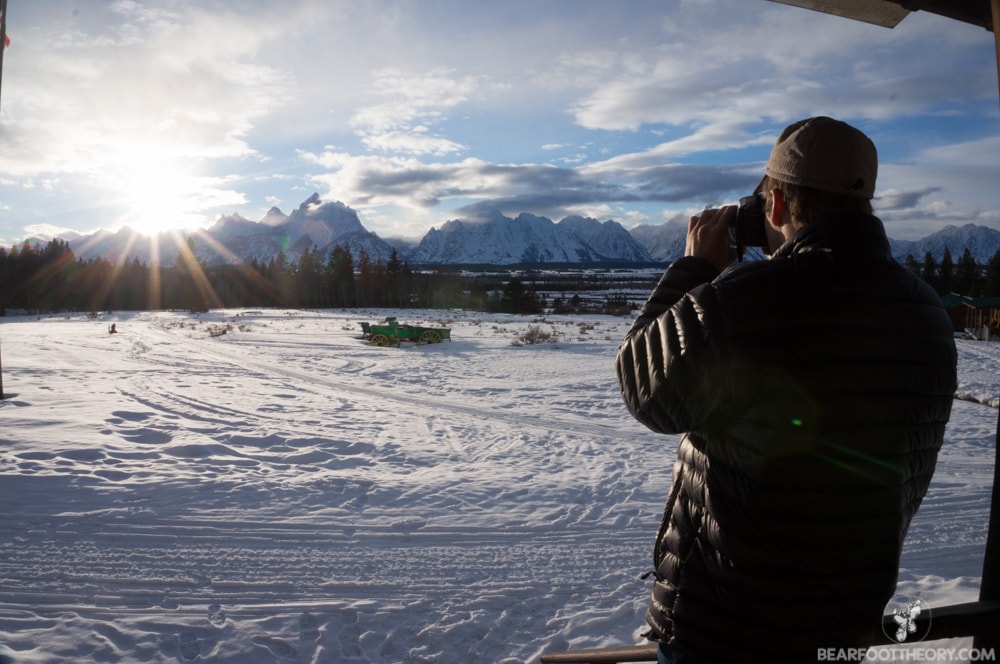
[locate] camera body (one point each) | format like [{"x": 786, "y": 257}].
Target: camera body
[{"x": 749, "y": 225}]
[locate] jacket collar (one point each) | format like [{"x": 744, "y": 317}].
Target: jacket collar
[{"x": 861, "y": 234}]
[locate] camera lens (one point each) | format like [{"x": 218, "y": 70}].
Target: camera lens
[{"x": 749, "y": 227}]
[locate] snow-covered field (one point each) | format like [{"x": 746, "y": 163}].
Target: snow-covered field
[{"x": 285, "y": 492}]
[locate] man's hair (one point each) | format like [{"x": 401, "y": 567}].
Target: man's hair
[{"x": 807, "y": 205}]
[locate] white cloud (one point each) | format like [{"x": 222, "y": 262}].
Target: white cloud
[
  {"x": 437, "y": 108},
  {"x": 416, "y": 143},
  {"x": 409, "y": 104},
  {"x": 48, "y": 231},
  {"x": 181, "y": 85},
  {"x": 953, "y": 183}
]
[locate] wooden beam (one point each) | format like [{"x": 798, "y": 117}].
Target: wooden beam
[
  {"x": 996, "y": 38},
  {"x": 3, "y": 47},
  {"x": 989, "y": 586},
  {"x": 886, "y": 13},
  {"x": 614, "y": 655}
]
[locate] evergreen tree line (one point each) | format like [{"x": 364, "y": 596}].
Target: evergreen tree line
[
  {"x": 52, "y": 278},
  {"x": 962, "y": 277}
]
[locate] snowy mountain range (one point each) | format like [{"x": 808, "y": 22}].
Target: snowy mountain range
[
  {"x": 981, "y": 241},
  {"x": 500, "y": 240},
  {"x": 493, "y": 239},
  {"x": 234, "y": 239}
]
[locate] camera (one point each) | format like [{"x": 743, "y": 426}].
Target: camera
[{"x": 749, "y": 225}]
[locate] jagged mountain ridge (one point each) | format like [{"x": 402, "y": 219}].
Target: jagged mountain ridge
[
  {"x": 235, "y": 239},
  {"x": 527, "y": 239},
  {"x": 490, "y": 240},
  {"x": 313, "y": 224},
  {"x": 981, "y": 241},
  {"x": 665, "y": 242},
  {"x": 494, "y": 240}
]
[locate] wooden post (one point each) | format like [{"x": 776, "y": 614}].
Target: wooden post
[
  {"x": 996, "y": 36},
  {"x": 3, "y": 45},
  {"x": 989, "y": 587}
]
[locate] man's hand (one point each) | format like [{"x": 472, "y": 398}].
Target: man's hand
[{"x": 708, "y": 237}]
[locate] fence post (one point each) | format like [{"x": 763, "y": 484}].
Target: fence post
[
  {"x": 989, "y": 587},
  {"x": 3, "y": 36}
]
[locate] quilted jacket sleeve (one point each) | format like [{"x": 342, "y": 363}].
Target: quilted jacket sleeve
[{"x": 658, "y": 380}]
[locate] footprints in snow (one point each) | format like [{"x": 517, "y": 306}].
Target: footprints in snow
[
  {"x": 190, "y": 648},
  {"x": 188, "y": 644},
  {"x": 308, "y": 631},
  {"x": 309, "y": 626},
  {"x": 131, "y": 425},
  {"x": 216, "y": 615},
  {"x": 278, "y": 647}
]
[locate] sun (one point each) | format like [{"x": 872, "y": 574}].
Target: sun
[{"x": 154, "y": 189}]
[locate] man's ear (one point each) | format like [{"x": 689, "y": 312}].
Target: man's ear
[
  {"x": 777, "y": 222},
  {"x": 777, "y": 216}
]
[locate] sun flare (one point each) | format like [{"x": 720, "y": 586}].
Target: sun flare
[{"x": 154, "y": 189}]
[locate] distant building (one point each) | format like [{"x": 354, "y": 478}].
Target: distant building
[{"x": 978, "y": 317}]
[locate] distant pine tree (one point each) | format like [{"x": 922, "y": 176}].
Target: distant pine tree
[
  {"x": 946, "y": 273},
  {"x": 967, "y": 275},
  {"x": 991, "y": 282},
  {"x": 929, "y": 270}
]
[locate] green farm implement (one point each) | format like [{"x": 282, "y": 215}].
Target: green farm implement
[{"x": 392, "y": 333}]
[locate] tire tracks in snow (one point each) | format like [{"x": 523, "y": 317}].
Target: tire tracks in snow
[
  {"x": 309, "y": 381},
  {"x": 135, "y": 554}
]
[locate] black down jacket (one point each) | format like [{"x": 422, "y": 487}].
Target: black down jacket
[{"x": 813, "y": 389}]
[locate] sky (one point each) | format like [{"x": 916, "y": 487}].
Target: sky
[{"x": 168, "y": 114}]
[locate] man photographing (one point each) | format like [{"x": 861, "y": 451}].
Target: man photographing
[{"x": 813, "y": 390}]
